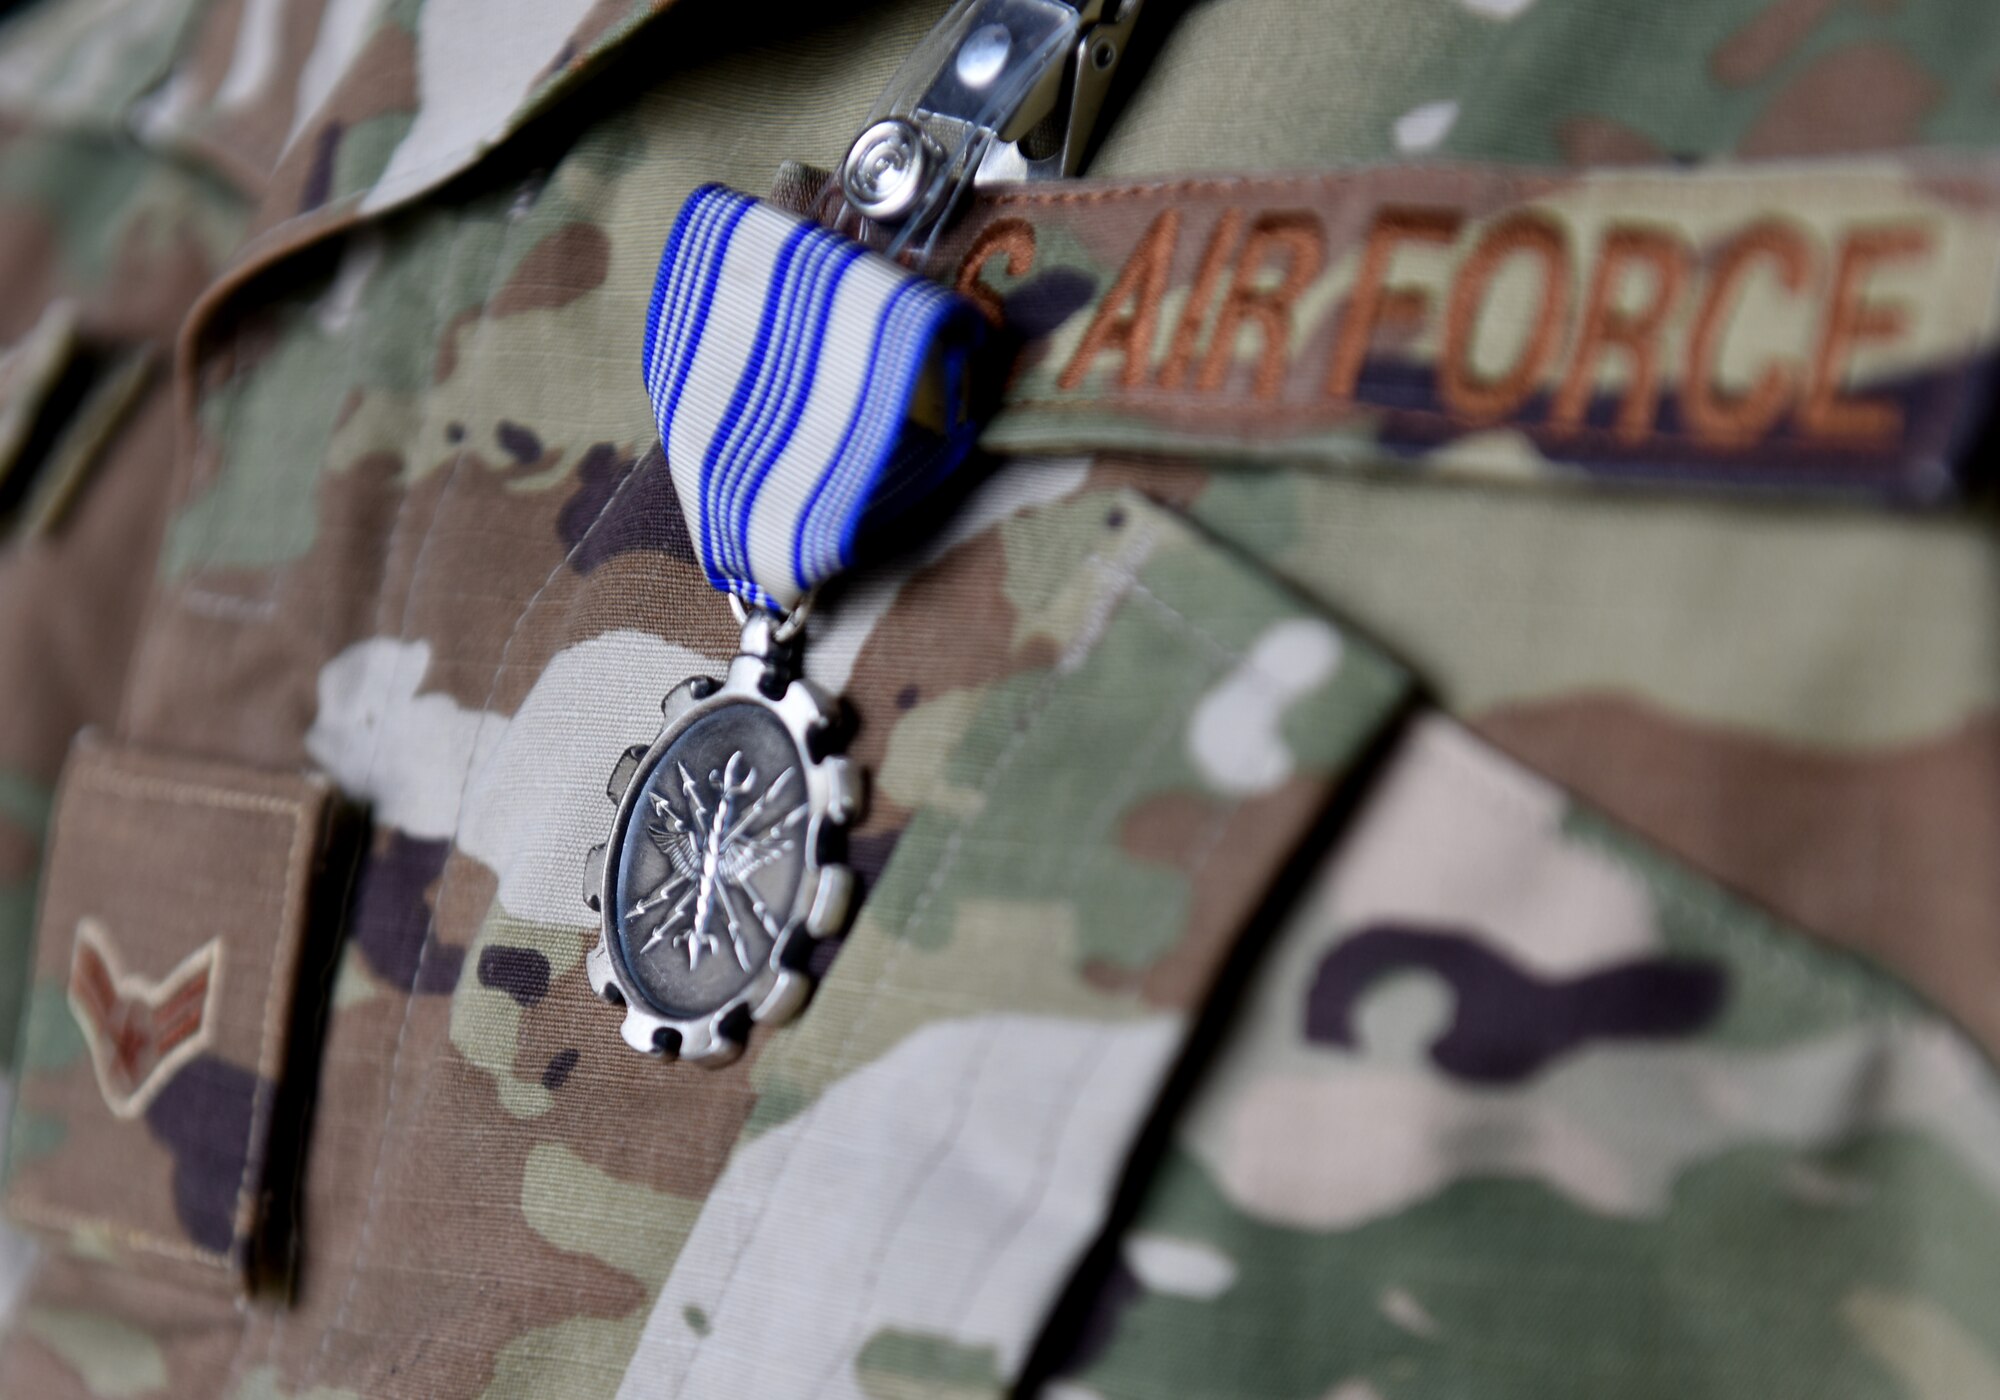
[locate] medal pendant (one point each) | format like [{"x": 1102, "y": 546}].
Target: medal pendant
[
  {"x": 712, "y": 887},
  {"x": 809, "y": 393}
]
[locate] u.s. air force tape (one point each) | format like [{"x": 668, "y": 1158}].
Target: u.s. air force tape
[{"x": 808, "y": 391}]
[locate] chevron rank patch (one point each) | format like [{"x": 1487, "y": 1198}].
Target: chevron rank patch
[{"x": 140, "y": 1030}]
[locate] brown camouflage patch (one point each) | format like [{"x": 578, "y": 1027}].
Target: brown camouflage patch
[
  {"x": 1888, "y": 851},
  {"x": 562, "y": 267},
  {"x": 1859, "y": 98},
  {"x": 1188, "y": 833},
  {"x": 1755, "y": 51},
  {"x": 1587, "y": 141}
]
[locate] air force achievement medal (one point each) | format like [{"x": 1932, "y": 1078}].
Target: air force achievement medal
[
  {"x": 808, "y": 392},
  {"x": 712, "y": 887}
]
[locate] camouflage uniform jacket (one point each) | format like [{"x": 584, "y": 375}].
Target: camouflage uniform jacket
[{"x": 1433, "y": 818}]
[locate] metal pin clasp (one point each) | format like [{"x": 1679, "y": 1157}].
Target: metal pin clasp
[{"x": 1000, "y": 90}]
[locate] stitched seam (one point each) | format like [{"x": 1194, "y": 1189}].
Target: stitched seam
[
  {"x": 396, "y": 526},
  {"x": 947, "y": 859},
  {"x": 181, "y": 792},
  {"x": 280, "y": 990},
  {"x": 1193, "y": 629},
  {"x": 226, "y": 607},
  {"x": 1170, "y": 722},
  {"x": 191, "y": 594},
  {"x": 1502, "y": 794},
  {"x": 439, "y": 321},
  {"x": 1336, "y": 411},
  {"x": 1211, "y": 842},
  {"x": 1841, "y": 173},
  {"x": 1089, "y": 636},
  {"x": 180, "y": 483},
  {"x": 1218, "y": 826},
  {"x": 56, "y": 1217},
  {"x": 203, "y": 551},
  {"x": 355, "y": 1267},
  {"x": 217, "y": 603},
  {"x": 354, "y": 1270},
  {"x": 1100, "y": 820}
]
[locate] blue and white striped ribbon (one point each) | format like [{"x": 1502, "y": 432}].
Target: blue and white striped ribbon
[{"x": 783, "y": 362}]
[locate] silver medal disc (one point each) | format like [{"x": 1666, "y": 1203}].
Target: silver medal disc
[{"x": 711, "y": 888}]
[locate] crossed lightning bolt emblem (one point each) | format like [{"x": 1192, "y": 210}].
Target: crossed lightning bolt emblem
[{"x": 712, "y": 852}]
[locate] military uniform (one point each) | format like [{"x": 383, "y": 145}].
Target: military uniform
[{"x": 1432, "y": 815}]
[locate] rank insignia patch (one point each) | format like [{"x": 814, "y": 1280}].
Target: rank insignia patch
[{"x": 140, "y": 1031}]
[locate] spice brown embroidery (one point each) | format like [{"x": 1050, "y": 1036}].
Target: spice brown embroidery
[
  {"x": 1011, "y": 239},
  {"x": 140, "y": 1032},
  {"x": 1854, "y": 319},
  {"x": 1722, "y": 417},
  {"x": 1662, "y": 260},
  {"x": 1619, "y": 329},
  {"x": 1539, "y": 240},
  {"x": 1292, "y": 240},
  {"x": 1131, "y": 309}
]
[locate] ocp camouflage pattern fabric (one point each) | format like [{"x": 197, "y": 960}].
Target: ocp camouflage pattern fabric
[
  {"x": 1365, "y": 897},
  {"x": 1598, "y": 1130}
]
